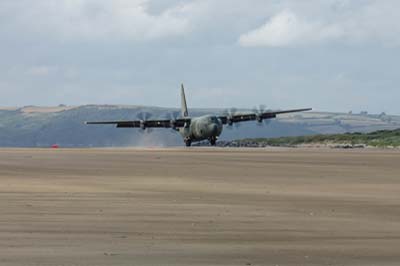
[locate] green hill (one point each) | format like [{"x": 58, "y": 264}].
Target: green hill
[{"x": 382, "y": 138}]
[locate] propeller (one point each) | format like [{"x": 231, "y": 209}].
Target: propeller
[
  {"x": 173, "y": 116},
  {"x": 230, "y": 113},
  {"x": 143, "y": 117},
  {"x": 259, "y": 111}
]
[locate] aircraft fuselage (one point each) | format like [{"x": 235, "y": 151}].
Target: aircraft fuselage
[{"x": 207, "y": 127}]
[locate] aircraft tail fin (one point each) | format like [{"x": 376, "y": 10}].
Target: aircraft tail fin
[{"x": 183, "y": 103}]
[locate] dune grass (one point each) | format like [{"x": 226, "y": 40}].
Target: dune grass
[{"x": 383, "y": 138}]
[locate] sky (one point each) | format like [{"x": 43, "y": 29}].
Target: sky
[{"x": 332, "y": 55}]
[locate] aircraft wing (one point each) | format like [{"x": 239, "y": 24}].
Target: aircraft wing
[
  {"x": 145, "y": 123},
  {"x": 235, "y": 118}
]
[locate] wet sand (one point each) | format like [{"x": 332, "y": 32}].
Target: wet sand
[{"x": 200, "y": 206}]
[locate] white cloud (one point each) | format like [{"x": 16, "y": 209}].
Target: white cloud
[
  {"x": 41, "y": 70},
  {"x": 95, "y": 19},
  {"x": 341, "y": 21},
  {"x": 121, "y": 45},
  {"x": 286, "y": 28},
  {"x": 289, "y": 22}
]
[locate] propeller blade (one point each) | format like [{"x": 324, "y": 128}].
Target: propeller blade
[
  {"x": 262, "y": 108},
  {"x": 144, "y": 116}
]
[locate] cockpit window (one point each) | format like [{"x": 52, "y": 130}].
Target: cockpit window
[{"x": 213, "y": 119}]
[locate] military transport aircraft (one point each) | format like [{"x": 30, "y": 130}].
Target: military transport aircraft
[{"x": 192, "y": 129}]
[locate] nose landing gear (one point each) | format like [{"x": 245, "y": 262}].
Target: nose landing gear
[{"x": 188, "y": 142}]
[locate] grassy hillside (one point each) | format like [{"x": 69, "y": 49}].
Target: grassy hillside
[
  {"x": 41, "y": 127},
  {"x": 382, "y": 138}
]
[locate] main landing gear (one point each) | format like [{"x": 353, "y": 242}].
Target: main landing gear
[{"x": 213, "y": 141}]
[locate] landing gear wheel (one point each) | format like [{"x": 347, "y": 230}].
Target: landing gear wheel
[
  {"x": 213, "y": 141},
  {"x": 188, "y": 143}
]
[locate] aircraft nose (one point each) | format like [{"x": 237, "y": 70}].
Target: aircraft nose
[{"x": 214, "y": 129}]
